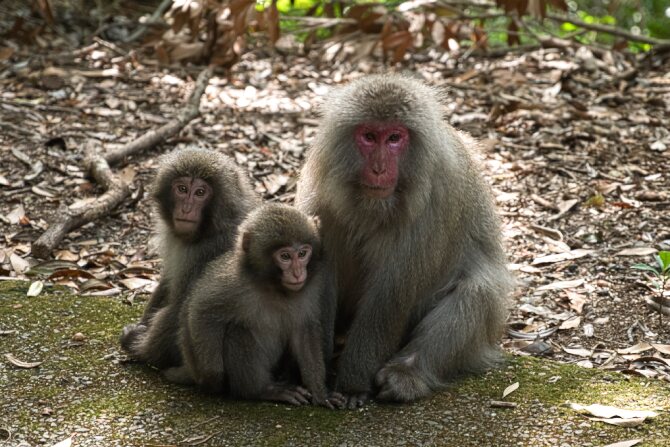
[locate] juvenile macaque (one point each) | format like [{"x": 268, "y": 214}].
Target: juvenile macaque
[
  {"x": 255, "y": 304},
  {"x": 411, "y": 230},
  {"x": 201, "y": 197}
]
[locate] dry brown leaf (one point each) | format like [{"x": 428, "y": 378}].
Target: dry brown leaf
[
  {"x": 607, "y": 411},
  {"x": 577, "y": 301},
  {"x": 510, "y": 389},
  {"x": 14, "y": 217},
  {"x": 35, "y": 288},
  {"x": 636, "y": 349},
  {"x": 571, "y": 323},
  {"x": 580, "y": 352},
  {"x": 562, "y": 285},
  {"x": 630, "y": 443},
  {"x": 621, "y": 422},
  {"x": 138, "y": 283},
  {"x": 572, "y": 254},
  {"x": 66, "y": 255},
  {"x": 64, "y": 443},
  {"x": 21, "y": 364},
  {"x": 637, "y": 251},
  {"x": 664, "y": 349},
  {"x": 19, "y": 265}
]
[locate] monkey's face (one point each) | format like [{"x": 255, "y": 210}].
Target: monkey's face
[
  {"x": 190, "y": 196},
  {"x": 380, "y": 144},
  {"x": 292, "y": 261}
]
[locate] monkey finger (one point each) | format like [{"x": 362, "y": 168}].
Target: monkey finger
[
  {"x": 303, "y": 391},
  {"x": 337, "y": 399},
  {"x": 356, "y": 400}
]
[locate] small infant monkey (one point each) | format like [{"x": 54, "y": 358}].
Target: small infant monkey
[{"x": 253, "y": 305}]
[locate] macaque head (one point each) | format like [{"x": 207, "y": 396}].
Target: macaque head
[
  {"x": 380, "y": 144},
  {"x": 280, "y": 246},
  {"x": 190, "y": 197},
  {"x": 292, "y": 260}
]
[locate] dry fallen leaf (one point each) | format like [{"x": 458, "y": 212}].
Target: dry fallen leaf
[
  {"x": 637, "y": 251},
  {"x": 21, "y": 364},
  {"x": 510, "y": 389},
  {"x": 636, "y": 349},
  {"x": 664, "y": 349},
  {"x": 19, "y": 264},
  {"x": 35, "y": 288},
  {"x": 562, "y": 285},
  {"x": 630, "y": 443},
  {"x": 608, "y": 412},
  {"x": 14, "y": 217},
  {"x": 64, "y": 443},
  {"x": 571, "y": 323},
  {"x": 572, "y": 254}
]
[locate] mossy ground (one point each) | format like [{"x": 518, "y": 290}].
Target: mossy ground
[{"x": 84, "y": 389}]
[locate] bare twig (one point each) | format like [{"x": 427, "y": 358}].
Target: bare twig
[
  {"x": 166, "y": 131},
  {"x": 139, "y": 32},
  {"x": 608, "y": 29}
]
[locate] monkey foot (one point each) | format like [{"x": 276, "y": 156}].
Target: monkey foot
[
  {"x": 400, "y": 382},
  {"x": 130, "y": 333},
  {"x": 291, "y": 395}
]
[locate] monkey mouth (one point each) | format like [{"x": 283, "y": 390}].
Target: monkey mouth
[
  {"x": 378, "y": 192},
  {"x": 293, "y": 286}
]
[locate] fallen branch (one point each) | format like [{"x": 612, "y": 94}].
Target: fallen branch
[
  {"x": 116, "y": 189},
  {"x": 171, "y": 128}
]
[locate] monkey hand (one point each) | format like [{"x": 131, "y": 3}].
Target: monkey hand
[
  {"x": 130, "y": 333},
  {"x": 400, "y": 381}
]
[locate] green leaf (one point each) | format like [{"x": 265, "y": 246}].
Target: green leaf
[
  {"x": 648, "y": 268},
  {"x": 664, "y": 257}
]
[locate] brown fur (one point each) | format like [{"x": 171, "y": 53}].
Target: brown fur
[
  {"x": 239, "y": 321},
  {"x": 153, "y": 339}
]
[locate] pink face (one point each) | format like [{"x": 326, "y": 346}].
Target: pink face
[
  {"x": 191, "y": 196},
  {"x": 380, "y": 145},
  {"x": 293, "y": 260}
]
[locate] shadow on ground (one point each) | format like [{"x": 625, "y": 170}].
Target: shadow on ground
[{"x": 82, "y": 388}]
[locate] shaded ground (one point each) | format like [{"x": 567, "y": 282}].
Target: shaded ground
[{"x": 81, "y": 388}]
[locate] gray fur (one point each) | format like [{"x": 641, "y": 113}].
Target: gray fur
[
  {"x": 153, "y": 339},
  {"x": 239, "y": 321},
  {"x": 421, "y": 277}
]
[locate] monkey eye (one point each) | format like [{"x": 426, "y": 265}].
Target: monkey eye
[
  {"x": 394, "y": 138},
  {"x": 200, "y": 192},
  {"x": 302, "y": 253},
  {"x": 182, "y": 189},
  {"x": 369, "y": 136},
  {"x": 285, "y": 256}
]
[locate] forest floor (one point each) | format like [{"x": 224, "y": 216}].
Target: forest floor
[{"x": 574, "y": 142}]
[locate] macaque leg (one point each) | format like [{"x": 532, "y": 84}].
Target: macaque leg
[
  {"x": 459, "y": 335},
  {"x": 157, "y": 346},
  {"x": 131, "y": 333},
  {"x": 249, "y": 367}
]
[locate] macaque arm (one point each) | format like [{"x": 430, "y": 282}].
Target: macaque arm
[
  {"x": 375, "y": 334},
  {"x": 306, "y": 346},
  {"x": 459, "y": 334},
  {"x": 158, "y": 300}
]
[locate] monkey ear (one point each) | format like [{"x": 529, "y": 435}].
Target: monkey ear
[{"x": 246, "y": 241}]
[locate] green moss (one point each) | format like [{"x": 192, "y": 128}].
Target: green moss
[{"x": 88, "y": 389}]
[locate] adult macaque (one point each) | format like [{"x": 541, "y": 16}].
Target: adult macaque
[
  {"x": 201, "y": 197},
  {"x": 413, "y": 237},
  {"x": 254, "y": 304}
]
